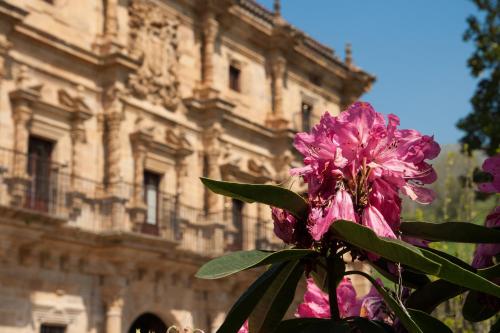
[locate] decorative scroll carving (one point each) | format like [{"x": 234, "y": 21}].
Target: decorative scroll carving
[{"x": 153, "y": 37}]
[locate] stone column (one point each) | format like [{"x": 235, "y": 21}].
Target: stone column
[
  {"x": 139, "y": 142},
  {"x": 4, "y": 48},
  {"x": 276, "y": 119},
  {"x": 113, "y": 297},
  {"x": 212, "y": 155},
  {"x": 78, "y": 140},
  {"x": 214, "y": 202},
  {"x": 111, "y": 19},
  {"x": 22, "y": 115},
  {"x": 210, "y": 29},
  {"x": 113, "y": 113}
]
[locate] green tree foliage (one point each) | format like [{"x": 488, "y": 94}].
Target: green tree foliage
[{"x": 482, "y": 125}]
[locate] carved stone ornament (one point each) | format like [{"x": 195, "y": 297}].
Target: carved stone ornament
[{"x": 154, "y": 39}]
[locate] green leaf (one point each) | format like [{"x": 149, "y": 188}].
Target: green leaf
[
  {"x": 428, "y": 297},
  {"x": 393, "y": 304},
  {"x": 272, "y": 195},
  {"x": 246, "y": 303},
  {"x": 365, "y": 325},
  {"x": 238, "y": 261},
  {"x": 461, "y": 276},
  {"x": 410, "y": 279},
  {"x": 428, "y": 323},
  {"x": 312, "y": 325},
  {"x": 462, "y": 232},
  {"x": 273, "y": 305},
  {"x": 392, "y": 249},
  {"x": 490, "y": 272},
  {"x": 320, "y": 275},
  {"x": 477, "y": 308}
]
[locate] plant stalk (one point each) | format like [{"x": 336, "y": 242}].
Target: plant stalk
[{"x": 333, "y": 277}]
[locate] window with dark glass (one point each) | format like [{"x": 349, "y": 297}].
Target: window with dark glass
[
  {"x": 50, "y": 328},
  {"x": 234, "y": 78},
  {"x": 306, "y": 112},
  {"x": 151, "y": 196},
  {"x": 237, "y": 216},
  {"x": 39, "y": 169}
]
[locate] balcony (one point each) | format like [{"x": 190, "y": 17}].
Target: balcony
[{"x": 47, "y": 192}]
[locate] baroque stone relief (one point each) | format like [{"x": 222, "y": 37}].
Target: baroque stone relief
[{"x": 154, "y": 39}]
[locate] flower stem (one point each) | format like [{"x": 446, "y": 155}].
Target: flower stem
[{"x": 332, "y": 288}]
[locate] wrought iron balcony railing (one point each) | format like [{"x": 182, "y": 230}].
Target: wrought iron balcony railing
[{"x": 35, "y": 186}]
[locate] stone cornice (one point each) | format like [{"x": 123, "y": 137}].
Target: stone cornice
[
  {"x": 113, "y": 61},
  {"x": 265, "y": 21},
  {"x": 11, "y": 12}
]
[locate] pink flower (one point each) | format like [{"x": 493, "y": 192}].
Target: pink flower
[
  {"x": 492, "y": 166},
  {"x": 341, "y": 209},
  {"x": 346, "y": 299},
  {"x": 374, "y": 220},
  {"x": 484, "y": 254},
  {"x": 244, "y": 328},
  {"x": 371, "y": 162},
  {"x": 315, "y": 305},
  {"x": 284, "y": 225},
  {"x": 373, "y": 306}
]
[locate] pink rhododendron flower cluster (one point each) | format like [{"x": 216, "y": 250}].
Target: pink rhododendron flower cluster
[
  {"x": 316, "y": 302},
  {"x": 484, "y": 254},
  {"x": 492, "y": 166},
  {"x": 356, "y": 166}
]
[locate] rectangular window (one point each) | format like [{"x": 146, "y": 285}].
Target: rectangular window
[
  {"x": 237, "y": 217},
  {"x": 234, "y": 78},
  {"x": 39, "y": 169},
  {"x": 50, "y": 328},
  {"x": 151, "y": 195},
  {"x": 306, "y": 112}
]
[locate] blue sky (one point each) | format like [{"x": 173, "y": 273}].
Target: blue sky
[{"x": 414, "y": 48}]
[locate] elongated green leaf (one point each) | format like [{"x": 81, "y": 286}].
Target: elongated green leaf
[
  {"x": 410, "y": 279},
  {"x": 312, "y": 325},
  {"x": 267, "y": 194},
  {"x": 320, "y": 275},
  {"x": 246, "y": 303},
  {"x": 273, "y": 305},
  {"x": 490, "y": 272},
  {"x": 428, "y": 297},
  {"x": 477, "y": 308},
  {"x": 453, "y": 259},
  {"x": 365, "y": 325},
  {"x": 462, "y": 232},
  {"x": 395, "y": 306},
  {"x": 391, "y": 249},
  {"x": 461, "y": 276},
  {"x": 238, "y": 261},
  {"x": 428, "y": 323}
]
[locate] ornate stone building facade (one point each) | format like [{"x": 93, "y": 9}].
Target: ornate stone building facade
[{"x": 110, "y": 110}]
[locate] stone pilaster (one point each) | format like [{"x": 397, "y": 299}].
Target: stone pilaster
[
  {"x": 112, "y": 293},
  {"x": 22, "y": 115},
  {"x": 5, "y": 46},
  {"x": 276, "y": 119},
  {"x": 210, "y": 29},
  {"x": 113, "y": 115},
  {"x": 140, "y": 142},
  {"x": 213, "y": 152}
]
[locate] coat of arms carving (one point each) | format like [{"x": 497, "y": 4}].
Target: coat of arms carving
[{"x": 153, "y": 39}]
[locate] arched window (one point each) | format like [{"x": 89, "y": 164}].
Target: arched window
[{"x": 148, "y": 323}]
